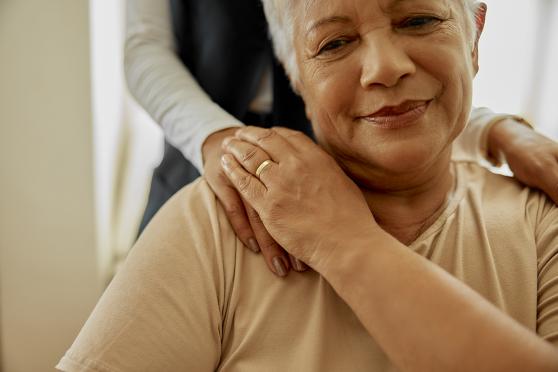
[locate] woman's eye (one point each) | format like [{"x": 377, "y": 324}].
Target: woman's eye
[
  {"x": 419, "y": 22},
  {"x": 333, "y": 45}
]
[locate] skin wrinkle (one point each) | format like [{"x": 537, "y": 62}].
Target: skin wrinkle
[
  {"x": 382, "y": 65},
  {"x": 314, "y": 27},
  {"x": 282, "y": 16}
]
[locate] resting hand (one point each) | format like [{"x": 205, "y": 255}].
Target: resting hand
[
  {"x": 305, "y": 200},
  {"x": 243, "y": 218},
  {"x": 532, "y": 157}
]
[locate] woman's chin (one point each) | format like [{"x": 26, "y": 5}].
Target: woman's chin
[
  {"x": 403, "y": 162},
  {"x": 403, "y": 165}
]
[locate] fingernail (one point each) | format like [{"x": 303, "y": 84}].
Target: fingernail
[
  {"x": 279, "y": 266},
  {"x": 299, "y": 265},
  {"x": 226, "y": 141},
  {"x": 226, "y": 161},
  {"x": 253, "y": 245}
]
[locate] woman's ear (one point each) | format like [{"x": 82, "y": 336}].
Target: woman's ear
[
  {"x": 308, "y": 113},
  {"x": 298, "y": 88},
  {"x": 296, "y": 85},
  {"x": 480, "y": 18}
]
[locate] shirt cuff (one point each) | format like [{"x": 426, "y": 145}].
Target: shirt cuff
[
  {"x": 497, "y": 159},
  {"x": 190, "y": 143}
]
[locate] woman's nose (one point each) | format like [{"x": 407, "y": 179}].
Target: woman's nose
[{"x": 384, "y": 63}]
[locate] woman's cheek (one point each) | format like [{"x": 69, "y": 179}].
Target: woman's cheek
[{"x": 337, "y": 91}]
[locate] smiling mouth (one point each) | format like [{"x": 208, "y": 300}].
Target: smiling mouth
[{"x": 400, "y": 116}]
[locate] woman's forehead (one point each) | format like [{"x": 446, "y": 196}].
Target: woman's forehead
[
  {"x": 387, "y": 6},
  {"x": 320, "y": 12}
]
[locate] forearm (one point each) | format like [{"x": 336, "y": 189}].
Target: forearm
[
  {"x": 425, "y": 319},
  {"x": 504, "y": 135},
  {"x": 163, "y": 86},
  {"x": 473, "y": 143}
]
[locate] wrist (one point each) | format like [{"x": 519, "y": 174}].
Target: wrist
[
  {"x": 503, "y": 134},
  {"x": 348, "y": 256}
]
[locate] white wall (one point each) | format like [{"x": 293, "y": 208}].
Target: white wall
[
  {"x": 127, "y": 143},
  {"x": 518, "y": 58},
  {"x": 48, "y": 272}
]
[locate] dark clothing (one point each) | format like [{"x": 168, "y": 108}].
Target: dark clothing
[{"x": 225, "y": 45}]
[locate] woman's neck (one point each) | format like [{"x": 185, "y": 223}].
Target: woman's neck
[{"x": 410, "y": 208}]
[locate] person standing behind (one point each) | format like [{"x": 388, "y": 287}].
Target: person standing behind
[{"x": 204, "y": 68}]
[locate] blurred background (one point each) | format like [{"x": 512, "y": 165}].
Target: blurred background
[{"x": 76, "y": 152}]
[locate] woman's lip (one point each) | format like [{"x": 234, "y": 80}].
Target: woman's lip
[{"x": 398, "y": 117}]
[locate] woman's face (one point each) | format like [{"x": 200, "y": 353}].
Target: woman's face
[{"x": 387, "y": 83}]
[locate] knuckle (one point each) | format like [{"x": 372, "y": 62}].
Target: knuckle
[
  {"x": 284, "y": 131},
  {"x": 244, "y": 183},
  {"x": 249, "y": 155},
  {"x": 296, "y": 134},
  {"x": 253, "y": 215},
  {"x": 538, "y": 164},
  {"x": 274, "y": 209},
  {"x": 242, "y": 230},
  {"x": 298, "y": 167},
  {"x": 293, "y": 136},
  {"x": 270, "y": 247},
  {"x": 234, "y": 210},
  {"x": 266, "y": 135}
]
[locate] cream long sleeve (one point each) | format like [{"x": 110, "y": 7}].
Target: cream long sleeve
[
  {"x": 163, "y": 86},
  {"x": 166, "y": 89}
]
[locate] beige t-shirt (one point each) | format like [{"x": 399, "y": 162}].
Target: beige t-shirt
[{"x": 190, "y": 297}]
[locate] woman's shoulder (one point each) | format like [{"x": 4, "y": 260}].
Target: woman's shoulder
[
  {"x": 192, "y": 223},
  {"x": 177, "y": 271},
  {"x": 196, "y": 193},
  {"x": 505, "y": 196},
  {"x": 195, "y": 202}
]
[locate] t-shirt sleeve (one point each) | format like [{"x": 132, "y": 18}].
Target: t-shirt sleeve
[
  {"x": 547, "y": 252},
  {"x": 163, "y": 310}
]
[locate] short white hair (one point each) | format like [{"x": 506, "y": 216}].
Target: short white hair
[{"x": 281, "y": 19}]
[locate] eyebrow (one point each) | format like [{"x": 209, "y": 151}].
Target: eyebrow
[
  {"x": 396, "y": 3},
  {"x": 325, "y": 21},
  {"x": 341, "y": 19}
]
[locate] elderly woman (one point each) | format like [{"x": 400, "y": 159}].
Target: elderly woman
[{"x": 421, "y": 263}]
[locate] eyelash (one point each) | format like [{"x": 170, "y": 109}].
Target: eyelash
[
  {"x": 408, "y": 23},
  {"x": 333, "y": 45}
]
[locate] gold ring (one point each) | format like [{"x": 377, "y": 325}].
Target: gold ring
[{"x": 262, "y": 167}]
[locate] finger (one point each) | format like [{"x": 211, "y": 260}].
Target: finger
[
  {"x": 235, "y": 212},
  {"x": 275, "y": 257},
  {"x": 270, "y": 141},
  {"x": 247, "y": 154},
  {"x": 249, "y": 187},
  {"x": 297, "y": 265}
]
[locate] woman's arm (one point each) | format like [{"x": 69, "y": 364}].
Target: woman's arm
[
  {"x": 498, "y": 138},
  {"x": 163, "y": 86},
  {"x": 191, "y": 121},
  {"x": 532, "y": 157},
  {"x": 163, "y": 309},
  {"x": 423, "y": 318}
]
